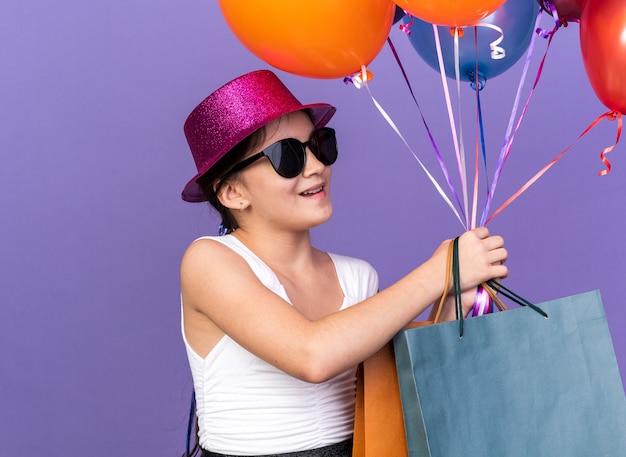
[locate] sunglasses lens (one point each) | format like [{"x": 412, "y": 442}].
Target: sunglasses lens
[
  {"x": 287, "y": 157},
  {"x": 324, "y": 145}
]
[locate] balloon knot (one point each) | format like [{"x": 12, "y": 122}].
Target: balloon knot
[
  {"x": 457, "y": 31},
  {"x": 359, "y": 79},
  {"x": 476, "y": 81},
  {"x": 612, "y": 115}
]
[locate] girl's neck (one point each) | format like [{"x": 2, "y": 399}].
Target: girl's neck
[{"x": 279, "y": 248}]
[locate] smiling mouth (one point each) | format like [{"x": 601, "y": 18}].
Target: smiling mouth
[{"x": 313, "y": 191}]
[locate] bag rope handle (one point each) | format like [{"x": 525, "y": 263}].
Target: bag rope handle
[
  {"x": 492, "y": 287},
  {"x": 447, "y": 283},
  {"x": 458, "y": 303},
  {"x": 499, "y": 288}
]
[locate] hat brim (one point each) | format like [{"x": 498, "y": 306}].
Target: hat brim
[{"x": 320, "y": 114}]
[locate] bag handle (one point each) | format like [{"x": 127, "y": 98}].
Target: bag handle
[
  {"x": 456, "y": 284},
  {"x": 492, "y": 287},
  {"x": 447, "y": 282},
  {"x": 508, "y": 293}
]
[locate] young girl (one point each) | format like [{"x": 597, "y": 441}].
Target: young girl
[{"x": 274, "y": 328}]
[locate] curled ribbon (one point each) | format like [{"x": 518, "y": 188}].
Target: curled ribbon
[
  {"x": 406, "y": 28},
  {"x": 548, "y": 6},
  {"x": 497, "y": 51},
  {"x": 611, "y": 115}
]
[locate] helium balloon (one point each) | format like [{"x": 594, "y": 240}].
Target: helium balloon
[
  {"x": 313, "y": 38},
  {"x": 450, "y": 12},
  {"x": 516, "y": 19},
  {"x": 566, "y": 9},
  {"x": 399, "y": 14},
  {"x": 603, "y": 46}
]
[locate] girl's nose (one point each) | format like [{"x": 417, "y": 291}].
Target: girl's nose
[{"x": 312, "y": 165}]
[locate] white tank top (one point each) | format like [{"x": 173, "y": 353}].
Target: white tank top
[{"x": 246, "y": 406}]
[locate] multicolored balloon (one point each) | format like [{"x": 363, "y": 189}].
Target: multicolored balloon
[{"x": 313, "y": 38}]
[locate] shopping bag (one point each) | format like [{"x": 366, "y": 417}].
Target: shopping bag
[
  {"x": 378, "y": 420},
  {"x": 516, "y": 384}
]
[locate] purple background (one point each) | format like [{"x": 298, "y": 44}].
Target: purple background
[{"x": 93, "y": 96}]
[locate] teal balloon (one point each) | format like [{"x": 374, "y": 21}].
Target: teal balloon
[{"x": 516, "y": 18}]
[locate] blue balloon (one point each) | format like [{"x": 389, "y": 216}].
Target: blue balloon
[{"x": 516, "y": 18}]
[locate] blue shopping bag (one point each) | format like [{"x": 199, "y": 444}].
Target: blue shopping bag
[{"x": 516, "y": 384}]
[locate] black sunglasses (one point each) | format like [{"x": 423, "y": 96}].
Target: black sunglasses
[{"x": 288, "y": 156}]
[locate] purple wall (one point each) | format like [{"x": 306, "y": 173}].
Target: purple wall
[{"x": 93, "y": 96}]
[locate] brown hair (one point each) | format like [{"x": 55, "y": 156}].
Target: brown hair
[{"x": 219, "y": 174}]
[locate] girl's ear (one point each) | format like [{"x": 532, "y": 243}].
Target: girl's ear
[{"x": 229, "y": 194}]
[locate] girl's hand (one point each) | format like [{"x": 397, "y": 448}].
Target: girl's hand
[{"x": 481, "y": 257}]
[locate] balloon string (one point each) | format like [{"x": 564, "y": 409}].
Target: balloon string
[
  {"x": 480, "y": 133},
  {"x": 482, "y": 300},
  {"x": 510, "y": 133},
  {"x": 451, "y": 119},
  {"x": 476, "y": 162},
  {"x": 442, "y": 164},
  {"x": 610, "y": 115},
  {"x": 482, "y": 143},
  {"x": 363, "y": 83},
  {"x": 463, "y": 167}
]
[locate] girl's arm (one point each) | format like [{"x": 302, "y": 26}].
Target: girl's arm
[{"x": 217, "y": 283}]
